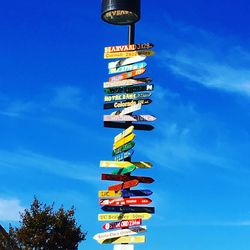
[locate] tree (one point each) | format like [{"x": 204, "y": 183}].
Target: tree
[{"x": 42, "y": 228}]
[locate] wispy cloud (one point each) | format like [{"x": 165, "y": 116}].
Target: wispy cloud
[
  {"x": 24, "y": 159},
  {"x": 68, "y": 97},
  {"x": 205, "y": 58},
  {"x": 10, "y": 209},
  {"x": 17, "y": 108},
  {"x": 65, "y": 98}
]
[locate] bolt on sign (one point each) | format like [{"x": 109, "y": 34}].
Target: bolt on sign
[{"x": 126, "y": 94}]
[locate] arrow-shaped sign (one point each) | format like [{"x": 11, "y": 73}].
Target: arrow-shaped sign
[
  {"x": 109, "y": 193},
  {"x": 130, "y": 209},
  {"x": 124, "y": 239},
  {"x": 128, "y": 47},
  {"x": 125, "y": 201},
  {"x": 119, "y": 97},
  {"x": 126, "y": 103},
  {"x": 127, "y": 82},
  {"x": 130, "y": 89},
  {"x": 125, "y": 216},
  {"x": 128, "y": 54},
  {"x": 128, "y": 110},
  {"x": 126, "y": 61},
  {"x": 145, "y": 127},
  {"x": 133, "y": 193},
  {"x": 126, "y": 170},
  {"x": 119, "y": 233},
  {"x": 130, "y": 67},
  {"x": 122, "y": 224},
  {"x": 124, "y": 185},
  {"x": 112, "y": 177},
  {"x": 129, "y": 118},
  {"x": 123, "y": 155},
  {"x": 124, "y": 164},
  {"x": 126, "y": 75},
  {"x": 123, "y": 148},
  {"x": 123, "y": 141},
  {"x": 124, "y": 133}
]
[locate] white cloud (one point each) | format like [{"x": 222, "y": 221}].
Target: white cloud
[
  {"x": 68, "y": 97},
  {"x": 205, "y": 58},
  {"x": 24, "y": 159},
  {"x": 10, "y": 209}
]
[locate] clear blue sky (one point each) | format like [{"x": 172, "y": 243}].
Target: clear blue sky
[{"x": 52, "y": 136}]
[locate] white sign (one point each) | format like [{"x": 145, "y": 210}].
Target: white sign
[
  {"x": 124, "y": 247},
  {"x": 120, "y": 233}
]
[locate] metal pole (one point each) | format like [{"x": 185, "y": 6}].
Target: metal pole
[{"x": 131, "y": 34}]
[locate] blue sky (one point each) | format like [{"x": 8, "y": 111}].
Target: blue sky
[{"x": 52, "y": 136}]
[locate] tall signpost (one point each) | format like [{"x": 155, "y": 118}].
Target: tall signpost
[{"x": 126, "y": 91}]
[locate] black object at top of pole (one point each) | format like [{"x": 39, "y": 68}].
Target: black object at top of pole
[{"x": 121, "y": 12}]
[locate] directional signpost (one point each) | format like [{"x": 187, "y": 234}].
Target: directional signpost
[{"x": 125, "y": 203}]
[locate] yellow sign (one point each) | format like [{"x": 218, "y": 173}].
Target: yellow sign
[
  {"x": 124, "y": 239},
  {"x": 126, "y": 216},
  {"x": 124, "y": 164},
  {"x": 109, "y": 193},
  {"x": 124, "y": 133},
  {"x": 128, "y": 54},
  {"x": 123, "y": 141}
]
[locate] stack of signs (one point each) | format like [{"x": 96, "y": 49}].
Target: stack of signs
[{"x": 125, "y": 93}]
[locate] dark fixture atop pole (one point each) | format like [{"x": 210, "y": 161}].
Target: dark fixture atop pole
[{"x": 121, "y": 12}]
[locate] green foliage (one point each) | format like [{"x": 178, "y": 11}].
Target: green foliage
[{"x": 42, "y": 228}]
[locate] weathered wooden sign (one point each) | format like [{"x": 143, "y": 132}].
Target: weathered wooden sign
[
  {"x": 128, "y": 54},
  {"x": 124, "y": 133},
  {"x": 130, "y": 67},
  {"x": 126, "y": 170},
  {"x": 129, "y": 118},
  {"x": 126, "y": 103},
  {"x": 112, "y": 177},
  {"x": 133, "y": 193},
  {"x": 128, "y": 47},
  {"x": 124, "y": 216},
  {"x": 109, "y": 193},
  {"x": 124, "y": 164},
  {"x": 129, "y": 89},
  {"x": 126, "y": 61},
  {"x": 119, "y": 97},
  {"x": 123, "y": 148},
  {"x": 124, "y": 185},
  {"x": 145, "y": 127},
  {"x": 124, "y": 240},
  {"x": 122, "y": 224},
  {"x": 119, "y": 233},
  {"x": 123, "y": 155},
  {"x": 126, "y": 75},
  {"x": 125, "y": 201},
  {"x": 129, "y": 209},
  {"x": 123, "y": 141}
]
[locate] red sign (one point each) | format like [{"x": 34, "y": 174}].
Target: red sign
[
  {"x": 117, "y": 177},
  {"x": 124, "y": 185},
  {"x": 125, "y": 201},
  {"x": 122, "y": 224}
]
